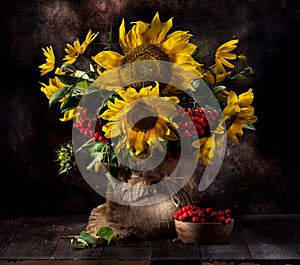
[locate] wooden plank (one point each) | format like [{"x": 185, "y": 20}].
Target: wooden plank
[
  {"x": 9, "y": 227},
  {"x": 174, "y": 252},
  {"x": 25, "y": 262},
  {"x": 294, "y": 233},
  {"x": 127, "y": 250},
  {"x": 268, "y": 240},
  {"x": 124, "y": 262},
  {"x": 35, "y": 240},
  {"x": 234, "y": 248}
]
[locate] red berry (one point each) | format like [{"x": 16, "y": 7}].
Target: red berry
[
  {"x": 184, "y": 208},
  {"x": 190, "y": 213},
  {"x": 195, "y": 219},
  {"x": 228, "y": 221},
  {"x": 221, "y": 213},
  {"x": 227, "y": 211},
  {"x": 221, "y": 219},
  {"x": 180, "y": 211},
  {"x": 215, "y": 113},
  {"x": 214, "y": 214},
  {"x": 200, "y": 120},
  {"x": 187, "y": 133},
  {"x": 180, "y": 218},
  {"x": 209, "y": 210},
  {"x": 185, "y": 215},
  {"x": 200, "y": 214}
]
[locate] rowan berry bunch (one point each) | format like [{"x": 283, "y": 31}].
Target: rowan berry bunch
[
  {"x": 193, "y": 123},
  {"x": 195, "y": 214},
  {"x": 85, "y": 124},
  {"x": 200, "y": 118}
]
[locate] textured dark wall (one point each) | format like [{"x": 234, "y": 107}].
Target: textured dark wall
[{"x": 258, "y": 176}]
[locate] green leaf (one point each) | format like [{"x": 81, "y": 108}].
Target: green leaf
[
  {"x": 218, "y": 89},
  {"x": 238, "y": 77},
  {"x": 58, "y": 95},
  {"x": 81, "y": 244},
  {"x": 83, "y": 84},
  {"x": 69, "y": 103},
  {"x": 249, "y": 127},
  {"x": 87, "y": 237},
  {"x": 68, "y": 68},
  {"x": 97, "y": 147},
  {"x": 198, "y": 50},
  {"x": 107, "y": 233},
  {"x": 68, "y": 80}
]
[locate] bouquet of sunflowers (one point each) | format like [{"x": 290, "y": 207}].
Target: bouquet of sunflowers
[{"x": 153, "y": 97}]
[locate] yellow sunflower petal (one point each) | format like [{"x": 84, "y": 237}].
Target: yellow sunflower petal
[
  {"x": 122, "y": 36},
  {"x": 177, "y": 41},
  {"x": 68, "y": 115},
  {"x": 246, "y": 98},
  {"x": 158, "y": 30},
  {"x": 140, "y": 143},
  {"x": 108, "y": 59},
  {"x": 226, "y": 63}
]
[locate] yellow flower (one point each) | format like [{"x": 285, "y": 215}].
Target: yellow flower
[
  {"x": 140, "y": 120},
  {"x": 207, "y": 148},
  {"x": 54, "y": 85},
  {"x": 73, "y": 51},
  {"x": 237, "y": 113},
  {"x": 209, "y": 145},
  {"x": 214, "y": 75},
  {"x": 223, "y": 54},
  {"x": 50, "y": 60},
  {"x": 146, "y": 41},
  {"x": 68, "y": 115}
]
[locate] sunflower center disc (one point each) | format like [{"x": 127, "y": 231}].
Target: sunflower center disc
[
  {"x": 149, "y": 70},
  {"x": 144, "y": 119}
]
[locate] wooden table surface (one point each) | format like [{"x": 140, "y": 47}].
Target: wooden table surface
[{"x": 255, "y": 239}]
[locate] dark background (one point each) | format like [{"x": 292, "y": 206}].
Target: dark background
[{"x": 260, "y": 175}]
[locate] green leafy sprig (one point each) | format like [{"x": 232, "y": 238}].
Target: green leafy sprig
[{"x": 103, "y": 237}]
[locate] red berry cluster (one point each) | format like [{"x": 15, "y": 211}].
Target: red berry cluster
[
  {"x": 198, "y": 118},
  {"x": 194, "y": 214},
  {"x": 84, "y": 125}
]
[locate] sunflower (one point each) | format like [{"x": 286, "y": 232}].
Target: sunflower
[
  {"x": 73, "y": 51},
  {"x": 146, "y": 41},
  {"x": 238, "y": 113},
  {"x": 50, "y": 60},
  {"x": 140, "y": 119},
  {"x": 224, "y": 53},
  {"x": 54, "y": 85},
  {"x": 207, "y": 146}
]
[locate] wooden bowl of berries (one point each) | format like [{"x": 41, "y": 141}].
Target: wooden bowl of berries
[{"x": 203, "y": 225}]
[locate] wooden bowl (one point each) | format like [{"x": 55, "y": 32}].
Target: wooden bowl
[{"x": 208, "y": 233}]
